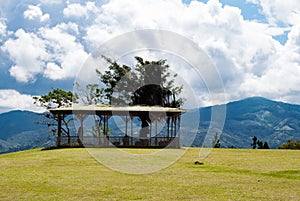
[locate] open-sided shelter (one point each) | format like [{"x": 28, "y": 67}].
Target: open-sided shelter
[{"x": 149, "y": 135}]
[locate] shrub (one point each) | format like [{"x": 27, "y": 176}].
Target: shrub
[{"x": 290, "y": 144}]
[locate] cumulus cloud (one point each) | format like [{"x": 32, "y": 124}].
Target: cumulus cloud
[
  {"x": 250, "y": 61},
  {"x": 77, "y": 10},
  {"x": 52, "y": 52},
  {"x": 47, "y": 2},
  {"x": 2, "y": 29},
  {"x": 67, "y": 56},
  {"x": 12, "y": 99},
  {"x": 28, "y": 53},
  {"x": 35, "y": 13},
  {"x": 237, "y": 46},
  {"x": 278, "y": 10}
]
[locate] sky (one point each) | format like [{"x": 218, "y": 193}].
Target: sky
[{"x": 254, "y": 44}]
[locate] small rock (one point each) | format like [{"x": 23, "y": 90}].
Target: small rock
[{"x": 198, "y": 163}]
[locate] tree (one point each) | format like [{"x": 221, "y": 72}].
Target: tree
[
  {"x": 111, "y": 78},
  {"x": 157, "y": 83},
  {"x": 148, "y": 83},
  {"x": 89, "y": 95},
  {"x": 254, "y": 139},
  {"x": 55, "y": 99},
  {"x": 216, "y": 142},
  {"x": 290, "y": 144},
  {"x": 260, "y": 144},
  {"x": 266, "y": 146}
]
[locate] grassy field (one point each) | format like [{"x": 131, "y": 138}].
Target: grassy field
[{"x": 227, "y": 174}]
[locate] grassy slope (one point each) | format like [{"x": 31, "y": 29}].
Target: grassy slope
[{"x": 227, "y": 174}]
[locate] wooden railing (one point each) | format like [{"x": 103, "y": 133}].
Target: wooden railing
[{"x": 124, "y": 141}]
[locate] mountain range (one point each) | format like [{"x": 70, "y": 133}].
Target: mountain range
[
  {"x": 22, "y": 130},
  {"x": 270, "y": 121}
]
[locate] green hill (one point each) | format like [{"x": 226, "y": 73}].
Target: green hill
[
  {"x": 227, "y": 174},
  {"x": 22, "y": 130},
  {"x": 270, "y": 121}
]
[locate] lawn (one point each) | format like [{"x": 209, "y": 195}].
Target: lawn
[{"x": 227, "y": 174}]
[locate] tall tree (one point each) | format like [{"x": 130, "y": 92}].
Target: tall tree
[
  {"x": 111, "y": 78},
  {"x": 254, "y": 142},
  {"x": 91, "y": 94},
  {"x": 147, "y": 83},
  {"x": 55, "y": 99},
  {"x": 157, "y": 84}
]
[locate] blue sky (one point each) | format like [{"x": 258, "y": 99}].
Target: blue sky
[{"x": 255, "y": 44}]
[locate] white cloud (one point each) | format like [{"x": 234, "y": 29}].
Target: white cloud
[
  {"x": 2, "y": 27},
  {"x": 12, "y": 99},
  {"x": 52, "y": 52},
  {"x": 35, "y": 13},
  {"x": 47, "y": 2},
  {"x": 280, "y": 80},
  {"x": 3, "y": 30},
  {"x": 67, "y": 55},
  {"x": 278, "y": 10},
  {"x": 28, "y": 53},
  {"x": 77, "y": 10},
  {"x": 249, "y": 60}
]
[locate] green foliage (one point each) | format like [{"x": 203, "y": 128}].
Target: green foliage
[
  {"x": 266, "y": 146},
  {"x": 55, "y": 99},
  {"x": 260, "y": 144},
  {"x": 216, "y": 141},
  {"x": 254, "y": 139},
  {"x": 290, "y": 144},
  {"x": 157, "y": 84},
  {"x": 148, "y": 83},
  {"x": 111, "y": 77},
  {"x": 91, "y": 94}
]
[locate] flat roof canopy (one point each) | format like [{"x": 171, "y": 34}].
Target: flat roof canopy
[{"x": 118, "y": 110}]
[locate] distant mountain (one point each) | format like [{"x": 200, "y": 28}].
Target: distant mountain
[
  {"x": 21, "y": 130},
  {"x": 270, "y": 121}
]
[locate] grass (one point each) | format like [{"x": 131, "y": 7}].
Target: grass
[{"x": 227, "y": 174}]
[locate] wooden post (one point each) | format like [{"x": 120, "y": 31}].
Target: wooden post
[
  {"x": 179, "y": 131},
  {"x": 80, "y": 132},
  {"x": 156, "y": 134},
  {"x": 131, "y": 118},
  {"x": 58, "y": 139},
  {"x": 104, "y": 125},
  {"x": 175, "y": 126},
  {"x": 106, "y": 138},
  {"x": 172, "y": 126},
  {"x": 126, "y": 125},
  {"x": 168, "y": 124},
  {"x": 150, "y": 134}
]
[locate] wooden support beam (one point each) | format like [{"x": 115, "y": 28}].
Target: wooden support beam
[
  {"x": 126, "y": 126},
  {"x": 178, "y": 131},
  {"x": 58, "y": 139}
]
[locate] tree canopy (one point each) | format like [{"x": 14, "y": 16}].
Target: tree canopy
[
  {"x": 55, "y": 99},
  {"x": 147, "y": 83}
]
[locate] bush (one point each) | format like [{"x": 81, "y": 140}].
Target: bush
[{"x": 290, "y": 144}]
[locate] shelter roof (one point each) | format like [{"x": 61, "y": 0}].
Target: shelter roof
[{"x": 117, "y": 110}]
